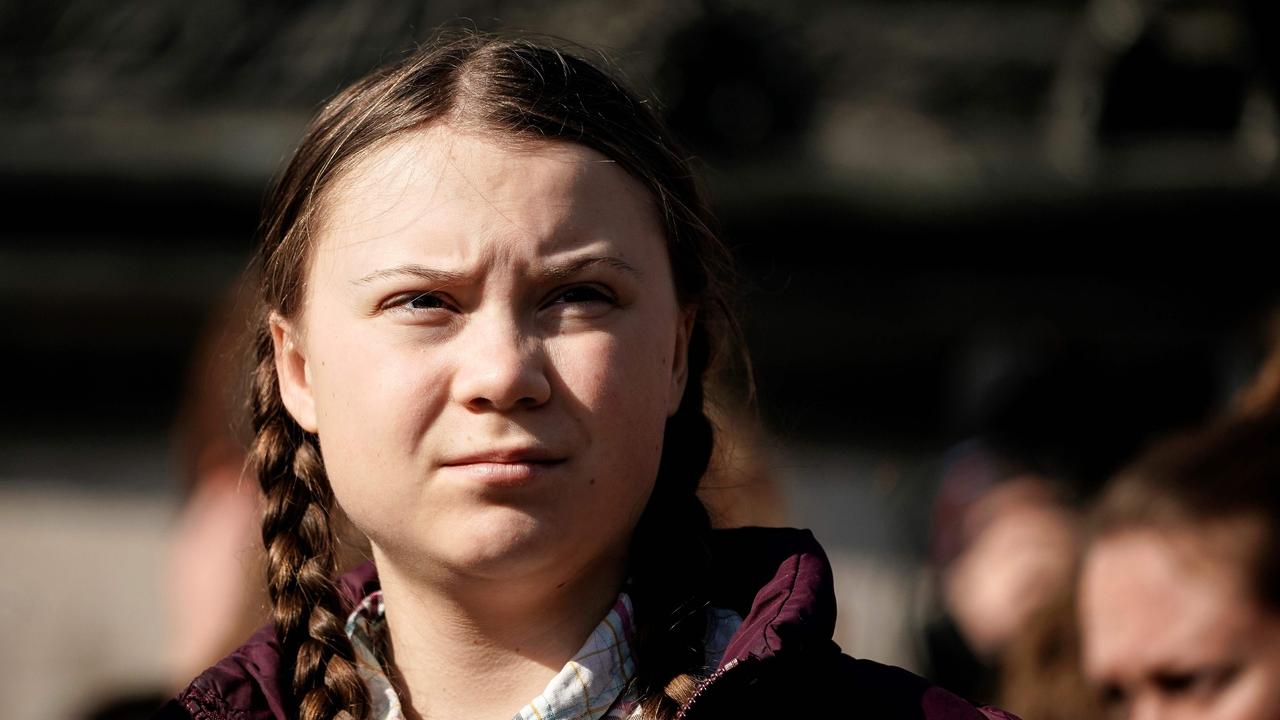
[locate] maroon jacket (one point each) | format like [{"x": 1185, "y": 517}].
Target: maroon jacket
[{"x": 781, "y": 663}]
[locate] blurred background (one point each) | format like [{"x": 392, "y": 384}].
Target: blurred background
[{"x": 982, "y": 240}]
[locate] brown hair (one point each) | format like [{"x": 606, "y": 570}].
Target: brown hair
[
  {"x": 1040, "y": 670},
  {"x": 1226, "y": 475},
  {"x": 1262, "y": 396},
  {"x": 522, "y": 90}
]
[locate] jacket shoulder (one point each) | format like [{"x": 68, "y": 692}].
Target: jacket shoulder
[
  {"x": 247, "y": 684},
  {"x": 888, "y": 691},
  {"x": 828, "y": 683},
  {"x": 244, "y": 685}
]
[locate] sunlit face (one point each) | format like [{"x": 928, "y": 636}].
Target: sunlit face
[
  {"x": 1171, "y": 630},
  {"x": 490, "y": 347}
]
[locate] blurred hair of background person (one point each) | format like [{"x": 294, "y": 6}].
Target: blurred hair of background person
[
  {"x": 1180, "y": 585},
  {"x": 1262, "y": 396}
]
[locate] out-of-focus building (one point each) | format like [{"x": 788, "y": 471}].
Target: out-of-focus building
[{"x": 924, "y": 194}]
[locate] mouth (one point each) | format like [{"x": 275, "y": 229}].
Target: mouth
[
  {"x": 507, "y": 467},
  {"x": 507, "y": 456}
]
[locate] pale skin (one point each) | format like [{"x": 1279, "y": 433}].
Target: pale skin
[
  {"x": 490, "y": 346},
  {"x": 1018, "y": 560},
  {"x": 1171, "y": 629}
]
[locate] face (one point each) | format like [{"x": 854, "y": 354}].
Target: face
[
  {"x": 1171, "y": 630},
  {"x": 489, "y": 349},
  {"x": 1018, "y": 560}
]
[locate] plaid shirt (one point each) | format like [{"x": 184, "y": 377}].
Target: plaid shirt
[{"x": 593, "y": 685}]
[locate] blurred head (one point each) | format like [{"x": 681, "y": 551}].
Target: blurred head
[
  {"x": 1180, "y": 586},
  {"x": 490, "y": 295},
  {"x": 1020, "y": 545}
]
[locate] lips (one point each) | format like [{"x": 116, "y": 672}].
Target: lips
[
  {"x": 507, "y": 467},
  {"x": 508, "y": 456}
]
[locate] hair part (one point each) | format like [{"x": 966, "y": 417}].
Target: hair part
[{"x": 524, "y": 91}]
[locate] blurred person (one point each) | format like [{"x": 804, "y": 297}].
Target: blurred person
[
  {"x": 1040, "y": 667},
  {"x": 1005, "y": 544},
  {"x": 491, "y": 299},
  {"x": 212, "y": 579},
  {"x": 1006, "y": 532},
  {"x": 1009, "y": 590},
  {"x": 741, "y": 487},
  {"x": 1019, "y": 550},
  {"x": 215, "y": 563},
  {"x": 1179, "y": 603}
]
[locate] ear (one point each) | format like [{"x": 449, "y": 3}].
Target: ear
[
  {"x": 293, "y": 373},
  {"x": 680, "y": 358}
]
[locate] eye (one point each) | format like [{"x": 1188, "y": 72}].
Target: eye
[
  {"x": 1176, "y": 683},
  {"x": 418, "y": 306},
  {"x": 1111, "y": 696},
  {"x": 1199, "y": 682},
  {"x": 581, "y": 295},
  {"x": 583, "y": 302},
  {"x": 426, "y": 301}
]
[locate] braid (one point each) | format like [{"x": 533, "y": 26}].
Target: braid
[
  {"x": 670, "y": 559},
  {"x": 306, "y": 606}
]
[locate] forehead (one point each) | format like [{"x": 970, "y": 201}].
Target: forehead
[
  {"x": 1157, "y": 601},
  {"x": 458, "y": 195}
]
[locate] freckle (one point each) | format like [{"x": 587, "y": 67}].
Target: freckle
[{"x": 592, "y": 481}]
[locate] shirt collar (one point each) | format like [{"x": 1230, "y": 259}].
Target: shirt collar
[{"x": 593, "y": 685}]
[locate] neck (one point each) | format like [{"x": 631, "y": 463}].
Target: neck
[{"x": 483, "y": 648}]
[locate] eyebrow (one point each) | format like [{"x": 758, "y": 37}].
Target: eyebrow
[
  {"x": 569, "y": 269},
  {"x": 447, "y": 277},
  {"x": 422, "y": 272}
]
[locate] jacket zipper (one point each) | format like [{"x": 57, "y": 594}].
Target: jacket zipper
[{"x": 684, "y": 709}]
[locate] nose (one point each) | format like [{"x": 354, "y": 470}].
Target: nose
[{"x": 499, "y": 368}]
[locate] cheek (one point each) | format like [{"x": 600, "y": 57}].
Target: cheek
[
  {"x": 618, "y": 381},
  {"x": 1256, "y": 695},
  {"x": 373, "y": 400},
  {"x": 367, "y": 377},
  {"x": 617, "y": 389}
]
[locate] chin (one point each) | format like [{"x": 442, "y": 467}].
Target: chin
[{"x": 505, "y": 543}]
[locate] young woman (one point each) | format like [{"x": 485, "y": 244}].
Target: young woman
[
  {"x": 1180, "y": 587},
  {"x": 491, "y": 295}
]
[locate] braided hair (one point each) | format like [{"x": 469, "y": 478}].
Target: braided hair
[{"x": 521, "y": 90}]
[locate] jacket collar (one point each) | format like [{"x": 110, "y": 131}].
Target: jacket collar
[
  {"x": 777, "y": 579},
  {"x": 780, "y": 581}
]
